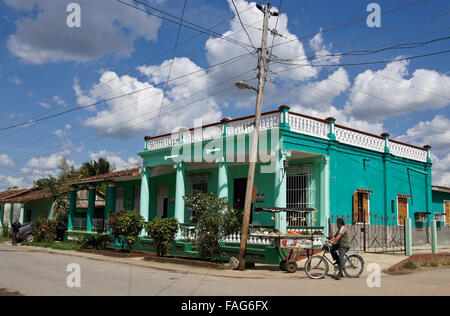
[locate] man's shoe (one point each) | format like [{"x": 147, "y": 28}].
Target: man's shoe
[{"x": 338, "y": 277}]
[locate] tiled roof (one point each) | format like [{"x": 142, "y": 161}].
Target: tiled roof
[
  {"x": 12, "y": 193},
  {"x": 105, "y": 177},
  {"x": 441, "y": 188},
  {"x": 30, "y": 195}
]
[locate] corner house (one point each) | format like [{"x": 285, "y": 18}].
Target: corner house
[{"x": 303, "y": 162}]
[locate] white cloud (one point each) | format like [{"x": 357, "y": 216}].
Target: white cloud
[
  {"x": 7, "y": 182},
  {"x": 341, "y": 119},
  {"x": 45, "y": 105},
  {"x": 435, "y": 133},
  {"x": 441, "y": 170},
  {"x": 38, "y": 167},
  {"x": 15, "y": 80},
  {"x": 320, "y": 94},
  {"x": 115, "y": 160},
  {"x": 144, "y": 108},
  {"x": 376, "y": 96},
  {"x": 59, "y": 101},
  {"x": 6, "y": 161},
  {"x": 107, "y": 27}
]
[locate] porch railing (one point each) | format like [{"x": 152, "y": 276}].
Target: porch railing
[
  {"x": 188, "y": 234},
  {"x": 298, "y": 123}
]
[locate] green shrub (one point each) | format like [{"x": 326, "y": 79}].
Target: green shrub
[
  {"x": 125, "y": 227},
  {"x": 5, "y": 232},
  {"x": 163, "y": 232},
  {"x": 434, "y": 264},
  {"x": 409, "y": 265},
  {"x": 44, "y": 230},
  {"x": 95, "y": 242},
  {"x": 215, "y": 219}
]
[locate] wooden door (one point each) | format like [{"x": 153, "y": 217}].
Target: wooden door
[
  {"x": 361, "y": 207},
  {"x": 447, "y": 212},
  {"x": 402, "y": 210}
]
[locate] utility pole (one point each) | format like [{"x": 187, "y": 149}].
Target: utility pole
[{"x": 254, "y": 146}]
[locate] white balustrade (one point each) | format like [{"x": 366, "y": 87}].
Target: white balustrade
[
  {"x": 308, "y": 126},
  {"x": 299, "y": 124},
  {"x": 359, "y": 139},
  {"x": 408, "y": 152}
]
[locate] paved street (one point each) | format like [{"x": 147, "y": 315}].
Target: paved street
[{"x": 42, "y": 273}]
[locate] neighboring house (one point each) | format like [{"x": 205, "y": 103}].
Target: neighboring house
[
  {"x": 7, "y": 214},
  {"x": 30, "y": 205},
  {"x": 89, "y": 208},
  {"x": 304, "y": 162},
  {"x": 441, "y": 205}
]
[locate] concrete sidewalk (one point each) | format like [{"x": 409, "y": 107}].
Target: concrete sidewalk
[{"x": 261, "y": 271}]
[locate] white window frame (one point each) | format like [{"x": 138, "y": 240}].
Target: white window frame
[{"x": 119, "y": 206}]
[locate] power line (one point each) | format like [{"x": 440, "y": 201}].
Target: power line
[
  {"x": 242, "y": 24},
  {"x": 116, "y": 97},
  {"x": 193, "y": 26},
  {"x": 155, "y": 110},
  {"x": 365, "y": 63},
  {"x": 399, "y": 8},
  {"x": 171, "y": 62}
]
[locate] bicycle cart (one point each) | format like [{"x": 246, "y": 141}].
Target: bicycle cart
[{"x": 300, "y": 241}]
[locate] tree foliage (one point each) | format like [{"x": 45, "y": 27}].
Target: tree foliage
[
  {"x": 163, "y": 232},
  {"x": 215, "y": 219},
  {"x": 125, "y": 227}
]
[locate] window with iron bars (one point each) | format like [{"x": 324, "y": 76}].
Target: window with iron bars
[{"x": 299, "y": 193}]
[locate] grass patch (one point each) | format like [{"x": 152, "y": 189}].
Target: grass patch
[
  {"x": 4, "y": 239},
  {"x": 53, "y": 245}
]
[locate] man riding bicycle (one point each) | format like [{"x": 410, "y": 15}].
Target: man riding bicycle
[{"x": 341, "y": 245}]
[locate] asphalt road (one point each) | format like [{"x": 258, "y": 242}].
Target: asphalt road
[{"x": 41, "y": 273}]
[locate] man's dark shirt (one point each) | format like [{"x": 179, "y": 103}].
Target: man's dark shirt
[{"x": 16, "y": 227}]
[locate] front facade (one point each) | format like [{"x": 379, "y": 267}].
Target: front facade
[{"x": 303, "y": 162}]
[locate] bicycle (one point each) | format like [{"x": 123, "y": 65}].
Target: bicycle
[{"x": 317, "y": 266}]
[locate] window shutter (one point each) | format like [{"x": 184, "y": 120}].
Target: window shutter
[
  {"x": 366, "y": 207},
  {"x": 355, "y": 207}
]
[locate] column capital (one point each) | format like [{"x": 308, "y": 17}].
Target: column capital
[
  {"x": 111, "y": 184},
  {"x": 145, "y": 170},
  {"x": 179, "y": 166}
]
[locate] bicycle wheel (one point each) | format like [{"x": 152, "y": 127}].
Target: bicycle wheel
[
  {"x": 316, "y": 267},
  {"x": 354, "y": 266}
]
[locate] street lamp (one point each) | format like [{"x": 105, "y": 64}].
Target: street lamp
[{"x": 243, "y": 86}]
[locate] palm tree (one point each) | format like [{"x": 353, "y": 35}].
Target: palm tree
[{"x": 95, "y": 168}]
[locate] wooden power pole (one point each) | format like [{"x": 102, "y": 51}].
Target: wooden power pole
[{"x": 254, "y": 146}]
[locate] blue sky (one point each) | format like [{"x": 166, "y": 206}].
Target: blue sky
[{"x": 47, "y": 67}]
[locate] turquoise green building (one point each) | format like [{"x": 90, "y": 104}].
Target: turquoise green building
[
  {"x": 303, "y": 162},
  {"x": 441, "y": 205}
]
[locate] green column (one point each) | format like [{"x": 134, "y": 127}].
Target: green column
[
  {"x": 434, "y": 240},
  {"x": 22, "y": 212},
  {"x": 284, "y": 115},
  {"x": 180, "y": 192},
  {"x": 110, "y": 203},
  {"x": 91, "y": 209},
  {"x": 11, "y": 214},
  {"x": 50, "y": 212},
  {"x": 222, "y": 183},
  {"x": 332, "y": 121},
  {"x": 408, "y": 237},
  {"x": 325, "y": 211},
  {"x": 72, "y": 207},
  {"x": 2, "y": 214},
  {"x": 280, "y": 183},
  {"x": 145, "y": 195}
]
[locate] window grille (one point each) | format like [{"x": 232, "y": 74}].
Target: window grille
[{"x": 300, "y": 193}]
